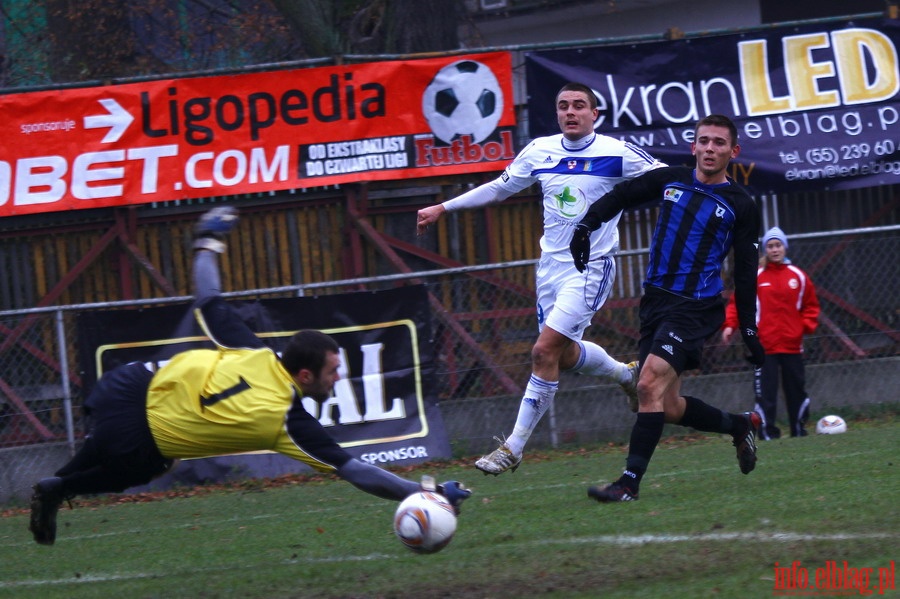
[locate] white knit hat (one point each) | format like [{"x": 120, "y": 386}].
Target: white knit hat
[{"x": 775, "y": 233}]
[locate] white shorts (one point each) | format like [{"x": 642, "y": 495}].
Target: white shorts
[{"x": 567, "y": 299}]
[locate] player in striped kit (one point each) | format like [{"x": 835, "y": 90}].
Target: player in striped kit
[{"x": 703, "y": 214}]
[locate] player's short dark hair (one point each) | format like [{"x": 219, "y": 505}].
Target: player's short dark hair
[
  {"x": 307, "y": 349},
  {"x": 719, "y": 120},
  {"x": 574, "y": 86}
]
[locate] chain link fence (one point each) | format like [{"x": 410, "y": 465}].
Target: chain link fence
[{"x": 483, "y": 326}]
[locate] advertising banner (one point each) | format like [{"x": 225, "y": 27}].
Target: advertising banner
[
  {"x": 384, "y": 409},
  {"x": 816, "y": 105},
  {"x": 196, "y": 137}
]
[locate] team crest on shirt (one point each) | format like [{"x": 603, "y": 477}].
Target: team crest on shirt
[
  {"x": 672, "y": 195},
  {"x": 585, "y": 165},
  {"x": 570, "y": 202},
  {"x": 793, "y": 283}
]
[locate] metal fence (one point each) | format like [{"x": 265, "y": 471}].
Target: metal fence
[{"x": 483, "y": 326}]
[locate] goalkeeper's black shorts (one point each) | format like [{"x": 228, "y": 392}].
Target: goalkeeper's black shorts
[{"x": 118, "y": 428}]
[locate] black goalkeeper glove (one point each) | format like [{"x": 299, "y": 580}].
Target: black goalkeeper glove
[
  {"x": 580, "y": 246},
  {"x": 455, "y": 493},
  {"x": 453, "y": 490},
  {"x": 757, "y": 355},
  {"x": 213, "y": 226}
]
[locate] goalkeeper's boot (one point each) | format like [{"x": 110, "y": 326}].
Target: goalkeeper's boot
[
  {"x": 48, "y": 496},
  {"x": 612, "y": 493},
  {"x": 498, "y": 461},
  {"x": 630, "y": 386},
  {"x": 745, "y": 441}
]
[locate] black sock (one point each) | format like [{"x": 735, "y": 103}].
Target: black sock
[
  {"x": 701, "y": 416},
  {"x": 645, "y": 436}
]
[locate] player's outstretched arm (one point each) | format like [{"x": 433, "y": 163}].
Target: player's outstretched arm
[
  {"x": 376, "y": 481},
  {"x": 215, "y": 316},
  {"x": 209, "y": 240},
  {"x": 384, "y": 484},
  {"x": 487, "y": 193}
]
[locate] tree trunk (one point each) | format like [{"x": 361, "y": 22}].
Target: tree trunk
[
  {"x": 89, "y": 40},
  {"x": 421, "y": 26},
  {"x": 314, "y": 23}
]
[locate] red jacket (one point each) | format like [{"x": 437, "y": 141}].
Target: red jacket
[{"x": 786, "y": 308}]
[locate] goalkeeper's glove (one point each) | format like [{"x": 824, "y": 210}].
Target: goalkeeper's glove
[
  {"x": 757, "y": 355},
  {"x": 453, "y": 490},
  {"x": 211, "y": 229},
  {"x": 580, "y": 246},
  {"x": 455, "y": 493}
]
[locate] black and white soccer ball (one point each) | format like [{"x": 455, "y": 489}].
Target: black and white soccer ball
[
  {"x": 831, "y": 425},
  {"x": 425, "y": 522},
  {"x": 464, "y": 98}
]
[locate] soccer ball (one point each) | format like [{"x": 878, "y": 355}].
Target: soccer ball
[
  {"x": 831, "y": 425},
  {"x": 425, "y": 522},
  {"x": 464, "y": 98}
]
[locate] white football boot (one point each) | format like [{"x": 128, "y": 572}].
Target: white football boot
[
  {"x": 498, "y": 461},
  {"x": 630, "y": 386}
]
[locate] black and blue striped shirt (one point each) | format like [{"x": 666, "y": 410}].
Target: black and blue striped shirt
[{"x": 698, "y": 225}]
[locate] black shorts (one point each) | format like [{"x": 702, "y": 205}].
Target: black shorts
[
  {"x": 121, "y": 437},
  {"x": 675, "y": 328}
]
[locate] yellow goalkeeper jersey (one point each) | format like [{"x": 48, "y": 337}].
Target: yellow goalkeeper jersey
[{"x": 215, "y": 402}]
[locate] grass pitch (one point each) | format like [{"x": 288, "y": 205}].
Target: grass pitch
[{"x": 700, "y": 529}]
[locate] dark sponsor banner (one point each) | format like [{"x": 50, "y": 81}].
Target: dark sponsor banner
[
  {"x": 196, "y": 137},
  {"x": 383, "y": 409},
  {"x": 816, "y": 105}
]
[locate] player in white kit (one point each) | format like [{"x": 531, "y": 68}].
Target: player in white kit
[{"x": 574, "y": 168}]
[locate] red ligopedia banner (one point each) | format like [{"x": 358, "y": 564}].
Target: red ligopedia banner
[{"x": 174, "y": 139}]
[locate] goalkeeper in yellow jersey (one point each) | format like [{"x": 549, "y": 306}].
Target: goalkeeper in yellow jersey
[{"x": 238, "y": 397}]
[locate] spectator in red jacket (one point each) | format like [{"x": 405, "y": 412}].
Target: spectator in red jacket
[{"x": 786, "y": 309}]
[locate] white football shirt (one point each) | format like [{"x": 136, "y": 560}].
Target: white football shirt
[{"x": 572, "y": 176}]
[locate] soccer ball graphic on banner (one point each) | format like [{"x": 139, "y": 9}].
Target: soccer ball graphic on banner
[
  {"x": 464, "y": 98},
  {"x": 425, "y": 522},
  {"x": 831, "y": 425}
]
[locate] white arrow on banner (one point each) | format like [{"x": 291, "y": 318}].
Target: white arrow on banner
[{"x": 117, "y": 120}]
